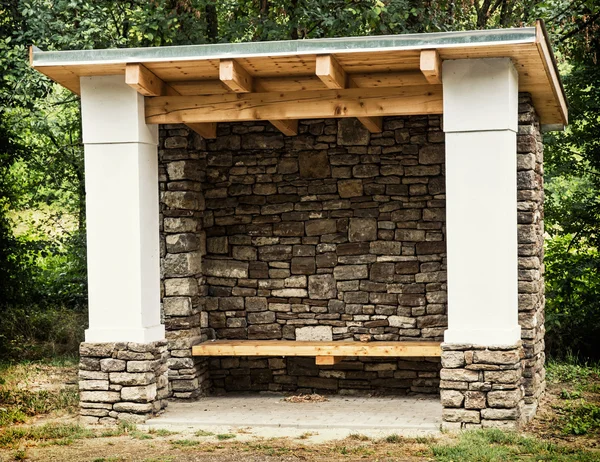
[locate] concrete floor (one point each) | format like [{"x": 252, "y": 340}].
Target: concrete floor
[{"x": 269, "y": 415}]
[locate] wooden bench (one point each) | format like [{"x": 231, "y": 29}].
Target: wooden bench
[{"x": 326, "y": 353}]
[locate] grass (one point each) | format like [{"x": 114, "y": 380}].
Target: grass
[
  {"x": 203, "y": 433},
  {"x": 496, "y": 445},
  {"x": 26, "y": 390},
  {"x": 225, "y": 436},
  {"x": 63, "y": 433}
]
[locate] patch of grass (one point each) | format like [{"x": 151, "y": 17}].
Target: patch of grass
[
  {"x": 358, "y": 437},
  {"x": 570, "y": 371},
  {"x": 393, "y": 439},
  {"x": 581, "y": 418},
  {"x": 566, "y": 394},
  {"x": 20, "y": 454},
  {"x": 26, "y": 390},
  {"x": 161, "y": 432},
  {"x": 307, "y": 435},
  {"x": 203, "y": 433},
  {"x": 15, "y": 435},
  {"x": 225, "y": 436},
  {"x": 496, "y": 445},
  {"x": 185, "y": 443},
  {"x": 344, "y": 450}
]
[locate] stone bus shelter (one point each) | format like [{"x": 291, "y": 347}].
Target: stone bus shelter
[{"x": 353, "y": 215}]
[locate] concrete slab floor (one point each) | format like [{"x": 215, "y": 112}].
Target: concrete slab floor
[{"x": 268, "y": 415}]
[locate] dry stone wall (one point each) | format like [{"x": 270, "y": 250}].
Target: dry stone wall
[{"x": 122, "y": 381}]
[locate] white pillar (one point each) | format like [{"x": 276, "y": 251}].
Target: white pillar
[
  {"x": 121, "y": 180},
  {"x": 480, "y": 121}
]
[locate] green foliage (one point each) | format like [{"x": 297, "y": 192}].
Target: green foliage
[{"x": 12, "y": 436}]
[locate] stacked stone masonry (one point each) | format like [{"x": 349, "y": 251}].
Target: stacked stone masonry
[
  {"x": 530, "y": 206},
  {"x": 481, "y": 387},
  {"x": 122, "y": 381},
  {"x": 332, "y": 234}
]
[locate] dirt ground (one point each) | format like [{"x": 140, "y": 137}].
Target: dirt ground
[{"x": 136, "y": 444}]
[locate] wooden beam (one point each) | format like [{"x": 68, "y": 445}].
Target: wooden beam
[
  {"x": 206, "y": 130},
  {"x": 327, "y": 360},
  {"x": 234, "y": 76},
  {"x": 330, "y": 72},
  {"x": 352, "y": 102},
  {"x": 316, "y": 348},
  {"x": 147, "y": 83},
  {"x": 287, "y": 127},
  {"x": 431, "y": 66},
  {"x": 373, "y": 124},
  {"x": 144, "y": 81}
]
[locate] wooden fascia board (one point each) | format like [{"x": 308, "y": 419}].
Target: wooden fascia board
[{"x": 547, "y": 57}]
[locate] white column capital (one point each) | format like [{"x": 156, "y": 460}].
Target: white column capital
[{"x": 480, "y": 94}]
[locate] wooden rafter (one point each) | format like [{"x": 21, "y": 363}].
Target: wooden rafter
[
  {"x": 431, "y": 66},
  {"x": 352, "y": 102},
  {"x": 234, "y": 76},
  {"x": 333, "y": 75},
  {"x": 287, "y": 127},
  {"x": 147, "y": 83}
]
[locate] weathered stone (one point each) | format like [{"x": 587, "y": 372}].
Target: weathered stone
[
  {"x": 218, "y": 245},
  {"x": 181, "y": 287},
  {"x": 303, "y": 265},
  {"x": 287, "y": 166},
  {"x": 475, "y": 400},
  {"x": 185, "y": 242},
  {"x": 256, "y": 303},
  {"x": 139, "y": 408},
  {"x": 96, "y": 349},
  {"x": 100, "y": 396},
  {"x": 349, "y": 272},
  {"x": 322, "y": 287},
  {"x": 461, "y": 415},
  {"x": 177, "y": 306},
  {"x": 112, "y": 365},
  {"x": 182, "y": 264},
  {"x": 496, "y": 357},
  {"x": 93, "y": 385},
  {"x": 143, "y": 394},
  {"x": 382, "y": 272},
  {"x": 314, "y": 164},
  {"x": 261, "y": 317},
  {"x": 320, "y": 227},
  {"x": 404, "y": 322},
  {"x": 129, "y": 379},
  {"x": 453, "y": 359},
  {"x": 386, "y": 248},
  {"x": 262, "y": 141},
  {"x": 362, "y": 229},
  {"x": 264, "y": 331},
  {"x": 275, "y": 252},
  {"x": 352, "y": 133},
  {"x": 500, "y": 414},
  {"x": 350, "y": 188},
  {"x": 320, "y": 333},
  {"x": 451, "y": 398},
  {"x": 504, "y": 398},
  {"x": 459, "y": 375},
  {"x": 225, "y": 268}
]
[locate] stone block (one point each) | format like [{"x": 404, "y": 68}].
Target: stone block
[
  {"x": 453, "y": 359},
  {"x": 362, "y": 229},
  {"x": 275, "y": 252},
  {"x": 182, "y": 264},
  {"x": 244, "y": 253},
  {"x": 459, "y": 375},
  {"x": 386, "y": 248},
  {"x": 217, "y": 245},
  {"x": 143, "y": 394},
  {"x": 350, "y": 272},
  {"x": 500, "y": 414},
  {"x": 352, "y": 133},
  {"x": 504, "y": 398},
  {"x": 382, "y": 272},
  {"x": 112, "y": 365},
  {"x": 496, "y": 357},
  {"x": 290, "y": 293},
  {"x": 318, "y": 383},
  {"x": 287, "y": 166},
  {"x": 225, "y": 268},
  {"x": 256, "y": 303},
  {"x": 100, "y": 396},
  {"x": 320, "y": 227},
  {"x": 262, "y": 141},
  {"x": 261, "y": 317},
  {"x": 314, "y": 164},
  {"x": 322, "y": 287},
  {"x": 303, "y": 265},
  {"x": 183, "y": 200},
  {"x": 475, "y": 400},
  {"x": 177, "y": 306},
  {"x": 461, "y": 415},
  {"x": 404, "y": 322},
  {"x": 136, "y": 408},
  {"x": 289, "y": 228},
  {"x": 512, "y": 376},
  {"x": 185, "y": 242},
  {"x": 181, "y": 287},
  {"x": 93, "y": 385},
  {"x": 314, "y": 333},
  {"x": 451, "y": 398},
  {"x": 96, "y": 349},
  {"x": 350, "y": 188},
  {"x": 264, "y": 332},
  {"x": 432, "y": 154},
  {"x": 130, "y": 379}
]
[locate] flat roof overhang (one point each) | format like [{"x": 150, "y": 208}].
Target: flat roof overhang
[{"x": 283, "y": 81}]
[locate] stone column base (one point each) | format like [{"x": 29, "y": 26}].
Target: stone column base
[
  {"x": 481, "y": 386},
  {"x": 122, "y": 381}
]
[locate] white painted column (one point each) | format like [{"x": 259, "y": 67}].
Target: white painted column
[
  {"x": 480, "y": 122},
  {"x": 121, "y": 180}
]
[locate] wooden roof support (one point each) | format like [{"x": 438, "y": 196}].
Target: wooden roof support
[
  {"x": 330, "y": 72},
  {"x": 431, "y": 66},
  {"x": 147, "y": 83},
  {"x": 351, "y": 102},
  {"x": 333, "y": 75},
  {"x": 234, "y": 76},
  {"x": 287, "y": 127}
]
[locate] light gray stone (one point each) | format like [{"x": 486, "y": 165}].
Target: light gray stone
[
  {"x": 225, "y": 268},
  {"x": 314, "y": 333}
]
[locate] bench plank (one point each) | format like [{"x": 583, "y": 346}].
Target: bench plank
[{"x": 316, "y": 348}]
